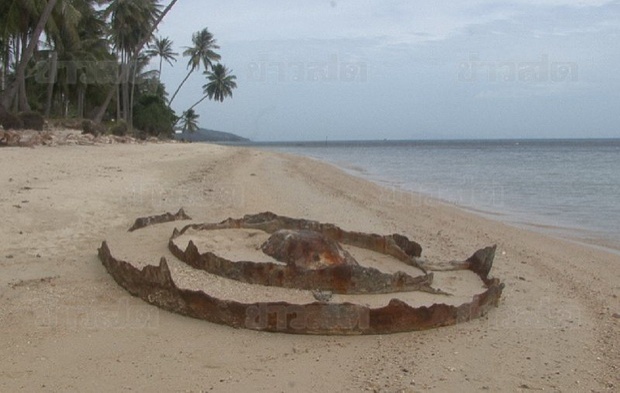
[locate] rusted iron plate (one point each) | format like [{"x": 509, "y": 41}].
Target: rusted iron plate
[
  {"x": 306, "y": 249},
  {"x": 155, "y": 285},
  {"x": 397, "y": 246},
  {"x": 343, "y": 279},
  {"x": 143, "y": 222}
]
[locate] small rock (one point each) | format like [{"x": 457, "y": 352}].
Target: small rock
[
  {"x": 322, "y": 296},
  {"x": 616, "y": 315},
  {"x": 9, "y": 257}
]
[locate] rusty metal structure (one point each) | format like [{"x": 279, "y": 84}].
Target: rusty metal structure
[{"x": 155, "y": 284}]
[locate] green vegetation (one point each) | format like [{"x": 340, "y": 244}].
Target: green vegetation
[
  {"x": 221, "y": 84},
  {"x": 153, "y": 116},
  {"x": 200, "y": 53},
  {"x": 88, "y": 59},
  {"x": 189, "y": 120}
]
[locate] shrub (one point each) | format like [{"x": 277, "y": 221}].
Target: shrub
[
  {"x": 119, "y": 129},
  {"x": 90, "y": 127},
  {"x": 32, "y": 120},
  {"x": 11, "y": 121},
  {"x": 153, "y": 116}
]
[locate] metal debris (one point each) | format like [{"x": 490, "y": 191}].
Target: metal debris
[{"x": 155, "y": 285}]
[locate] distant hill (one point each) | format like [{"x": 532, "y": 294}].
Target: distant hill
[{"x": 204, "y": 135}]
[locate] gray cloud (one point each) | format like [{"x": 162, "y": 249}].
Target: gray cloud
[{"x": 395, "y": 69}]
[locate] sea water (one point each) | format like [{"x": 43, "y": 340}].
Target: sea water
[{"x": 570, "y": 188}]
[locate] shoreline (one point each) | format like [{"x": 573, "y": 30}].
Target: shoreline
[
  {"x": 523, "y": 220},
  {"x": 554, "y": 328}
]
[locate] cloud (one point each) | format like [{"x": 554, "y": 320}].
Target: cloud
[
  {"x": 411, "y": 54},
  {"x": 398, "y": 20}
]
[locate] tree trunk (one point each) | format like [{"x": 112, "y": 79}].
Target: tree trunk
[
  {"x": 125, "y": 94},
  {"x": 20, "y": 73},
  {"x": 199, "y": 101},
  {"x": 138, "y": 49},
  {"x": 118, "y": 103},
  {"x": 179, "y": 88},
  {"x": 133, "y": 91},
  {"x": 5, "y": 66},
  {"x": 50, "y": 83},
  {"x": 22, "y": 95},
  {"x": 80, "y": 104},
  {"x": 17, "y": 53}
]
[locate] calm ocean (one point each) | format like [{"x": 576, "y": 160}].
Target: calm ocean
[{"x": 569, "y": 188}]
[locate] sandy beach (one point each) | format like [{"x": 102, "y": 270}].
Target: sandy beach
[{"x": 67, "y": 326}]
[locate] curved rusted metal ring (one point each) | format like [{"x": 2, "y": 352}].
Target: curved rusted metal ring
[{"x": 155, "y": 285}]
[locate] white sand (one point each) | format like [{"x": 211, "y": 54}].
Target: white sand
[{"x": 67, "y": 326}]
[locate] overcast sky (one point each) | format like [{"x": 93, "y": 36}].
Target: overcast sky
[{"x": 366, "y": 69}]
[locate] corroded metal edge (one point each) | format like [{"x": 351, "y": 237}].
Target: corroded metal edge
[
  {"x": 397, "y": 246},
  {"x": 154, "y": 284},
  {"x": 143, "y": 222},
  {"x": 343, "y": 279},
  {"x": 337, "y": 279}
]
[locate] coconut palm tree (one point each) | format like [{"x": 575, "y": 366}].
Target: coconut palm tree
[
  {"x": 221, "y": 84},
  {"x": 131, "y": 22},
  {"x": 63, "y": 42},
  {"x": 78, "y": 42},
  {"x": 124, "y": 73},
  {"x": 23, "y": 13},
  {"x": 190, "y": 120},
  {"x": 162, "y": 48},
  {"x": 202, "y": 52},
  {"x": 95, "y": 55}
]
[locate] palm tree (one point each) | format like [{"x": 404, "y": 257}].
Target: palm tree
[
  {"x": 73, "y": 29},
  {"x": 131, "y": 22},
  {"x": 94, "y": 52},
  {"x": 221, "y": 84},
  {"x": 124, "y": 73},
  {"x": 162, "y": 48},
  {"x": 77, "y": 39},
  {"x": 30, "y": 43},
  {"x": 201, "y": 53},
  {"x": 190, "y": 120}
]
